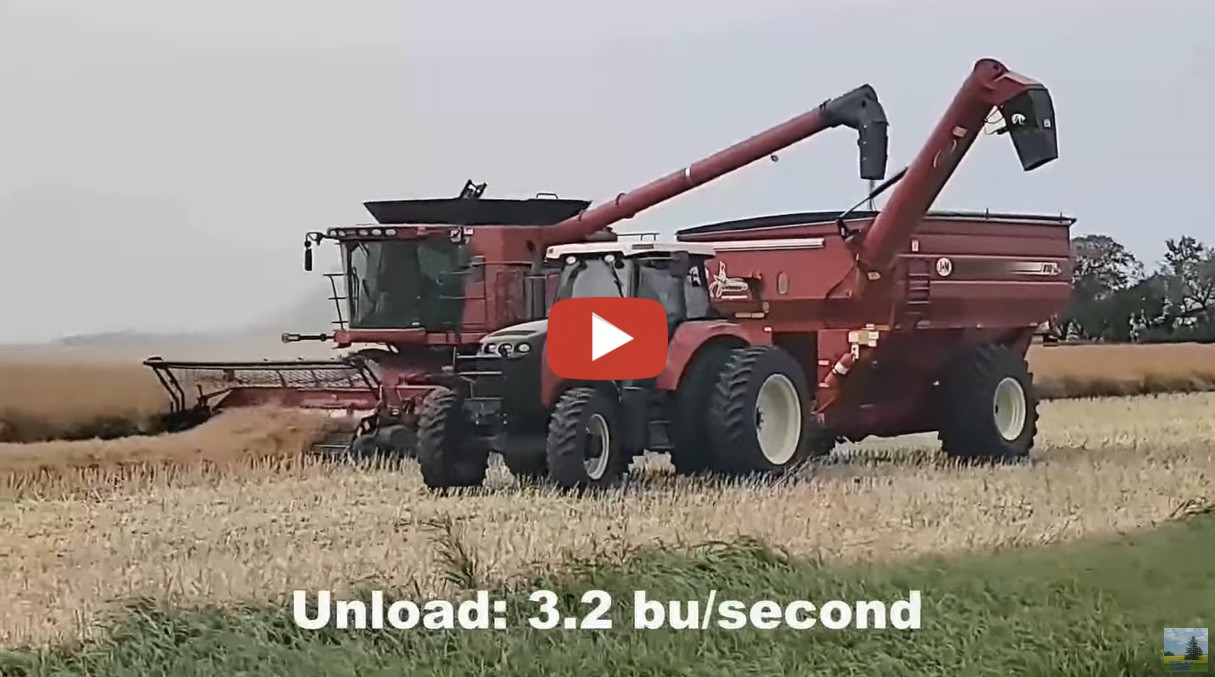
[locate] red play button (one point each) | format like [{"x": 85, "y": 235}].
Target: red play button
[{"x": 607, "y": 339}]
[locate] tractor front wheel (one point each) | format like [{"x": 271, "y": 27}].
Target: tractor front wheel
[
  {"x": 447, "y": 457},
  {"x": 758, "y": 412},
  {"x": 583, "y": 447},
  {"x": 987, "y": 407}
]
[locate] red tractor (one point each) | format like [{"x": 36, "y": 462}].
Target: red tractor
[
  {"x": 433, "y": 277},
  {"x": 793, "y": 332}
]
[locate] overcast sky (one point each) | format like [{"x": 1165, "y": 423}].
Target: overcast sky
[{"x": 160, "y": 161}]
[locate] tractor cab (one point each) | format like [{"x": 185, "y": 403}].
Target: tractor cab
[{"x": 672, "y": 273}]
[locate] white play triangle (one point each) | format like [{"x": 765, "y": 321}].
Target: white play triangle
[{"x": 605, "y": 337}]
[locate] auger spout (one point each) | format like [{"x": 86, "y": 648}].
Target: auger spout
[{"x": 859, "y": 109}]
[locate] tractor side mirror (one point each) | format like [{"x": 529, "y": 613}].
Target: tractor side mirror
[{"x": 308, "y": 256}]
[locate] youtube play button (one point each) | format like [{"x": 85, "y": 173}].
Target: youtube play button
[{"x": 607, "y": 339}]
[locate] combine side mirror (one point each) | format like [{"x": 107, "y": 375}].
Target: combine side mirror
[{"x": 307, "y": 256}]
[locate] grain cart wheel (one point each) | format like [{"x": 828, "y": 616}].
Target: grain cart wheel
[
  {"x": 691, "y": 453},
  {"x": 446, "y": 455},
  {"x": 583, "y": 446},
  {"x": 987, "y": 407},
  {"x": 757, "y": 412}
]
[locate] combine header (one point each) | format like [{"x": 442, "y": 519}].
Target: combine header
[
  {"x": 434, "y": 277},
  {"x": 792, "y": 332}
]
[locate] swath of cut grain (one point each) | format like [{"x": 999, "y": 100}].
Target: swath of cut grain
[{"x": 1104, "y": 466}]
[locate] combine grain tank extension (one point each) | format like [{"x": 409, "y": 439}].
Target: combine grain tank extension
[
  {"x": 792, "y": 332},
  {"x": 432, "y": 277}
]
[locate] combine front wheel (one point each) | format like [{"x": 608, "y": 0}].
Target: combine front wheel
[
  {"x": 583, "y": 448},
  {"x": 757, "y": 412},
  {"x": 988, "y": 409},
  {"x": 447, "y": 457}
]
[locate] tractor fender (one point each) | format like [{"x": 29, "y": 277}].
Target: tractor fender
[
  {"x": 552, "y": 386},
  {"x": 691, "y": 337}
]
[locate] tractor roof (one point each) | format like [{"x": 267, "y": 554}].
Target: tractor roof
[{"x": 626, "y": 248}]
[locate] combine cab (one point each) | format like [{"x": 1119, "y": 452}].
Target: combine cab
[{"x": 793, "y": 332}]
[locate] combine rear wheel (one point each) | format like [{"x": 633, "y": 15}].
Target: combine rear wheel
[
  {"x": 447, "y": 457},
  {"x": 583, "y": 447},
  {"x": 757, "y": 412},
  {"x": 987, "y": 406}
]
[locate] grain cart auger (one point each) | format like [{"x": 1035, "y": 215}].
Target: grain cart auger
[
  {"x": 433, "y": 277},
  {"x": 792, "y": 332}
]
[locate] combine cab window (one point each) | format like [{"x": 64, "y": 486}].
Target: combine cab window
[{"x": 405, "y": 284}]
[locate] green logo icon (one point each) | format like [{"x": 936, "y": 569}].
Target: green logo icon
[{"x": 1186, "y": 650}]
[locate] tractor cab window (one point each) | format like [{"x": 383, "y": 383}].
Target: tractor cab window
[
  {"x": 598, "y": 276},
  {"x": 656, "y": 279},
  {"x": 696, "y": 292}
]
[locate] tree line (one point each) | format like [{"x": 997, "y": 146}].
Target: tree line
[{"x": 1118, "y": 299}]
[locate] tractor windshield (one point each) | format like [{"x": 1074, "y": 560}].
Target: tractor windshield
[
  {"x": 593, "y": 277},
  {"x": 405, "y": 284}
]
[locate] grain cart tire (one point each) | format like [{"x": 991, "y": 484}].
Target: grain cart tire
[
  {"x": 691, "y": 452},
  {"x": 757, "y": 412},
  {"x": 583, "y": 445},
  {"x": 987, "y": 407},
  {"x": 446, "y": 455}
]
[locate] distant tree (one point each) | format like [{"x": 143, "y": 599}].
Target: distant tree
[
  {"x": 1189, "y": 265},
  {"x": 1102, "y": 267},
  {"x": 1169, "y": 653},
  {"x": 1193, "y": 652}
]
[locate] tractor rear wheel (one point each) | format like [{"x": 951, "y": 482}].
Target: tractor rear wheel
[
  {"x": 986, "y": 406},
  {"x": 583, "y": 447},
  {"x": 447, "y": 457},
  {"x": 758, "y": 412},
  {"x": 691, "y": 453}
]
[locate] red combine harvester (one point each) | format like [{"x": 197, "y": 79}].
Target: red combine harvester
[
  {"x": 793, "y": 332},
  {"x": 433, "y": 277}
]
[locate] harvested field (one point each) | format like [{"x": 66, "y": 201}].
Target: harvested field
[
  {"x": 1104, "y": 466},
  {"x": 44, "y": 400}
]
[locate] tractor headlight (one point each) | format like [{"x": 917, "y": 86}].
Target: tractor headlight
[
  {"x": 504, "y": 349},
  {"x": 488, "y": 348},
  {"x": 524, "y": 348}
]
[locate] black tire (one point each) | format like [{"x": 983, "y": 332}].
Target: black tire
[
  {"x": 733, "y": 411},
  {"x": 691, "y": 452},
  {"x": 568, "y": 436},
  {"x": 446, "y": 455},
  {"x": 969, "y": 423}
]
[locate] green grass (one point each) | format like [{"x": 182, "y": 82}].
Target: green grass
[{"x": 1093, "y": 608}]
